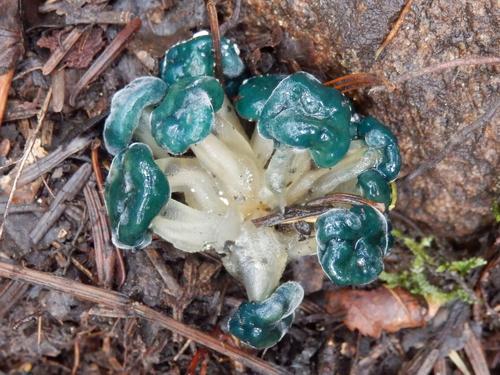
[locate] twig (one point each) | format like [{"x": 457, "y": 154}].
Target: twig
[
  {"x": 21, "y": 208},
  {"x": 458, "y": 138},
  {"x": 62, "y": 50},
  {"x": 165, "y": 273},
  {"x": 233, "y": 20},
  {"x": 215, "y": 32},
  {"x": 96, "y": 143},
  {"x": 470, "y": 61},
  {"x": 120, "y": 302},
  {"x": 395, "y": 28},
  {"x": 50, "y": 161},
  {"x": 313, "y": 209},
  {"x": 105, "y": 255},
  {"x": 474, "y": 351},
  {"x": 5, "y": 82},
  {"x": 106, "y": 58},
  {"x": 68, "y": 192},
  {"x": 27, "y": 151}
]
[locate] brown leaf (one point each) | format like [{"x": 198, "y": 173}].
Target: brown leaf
[
  {"x": 374, "y": 311},
  {"x": 82, "y": 53}
]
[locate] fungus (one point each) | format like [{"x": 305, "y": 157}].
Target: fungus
[
  {"x": 352, "y": 243},
  {"x": 136, "y": 190},
  {"x": 262, "y": 324},
  {"x": 307, "y": 143},
  {"x": 194, "y": 58},
  {"x": 127, "y": 106}
]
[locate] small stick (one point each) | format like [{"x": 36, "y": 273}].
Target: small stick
[
  {"x": 215, "y": 32},
  {"x": 29, "y": 145},
  {"x": 96, "y": 143},
  {"x": 120, "y": 302},
  {"x": 165, "y": 273},
  {"x": 106, "y": 58},
  {"x": 395, "y": 28},
  {"x": 68, "y": 192},
  {"x": 62, "y": 50},
  {"x": 5, "y": 82},
  {"x": 313, "y": 209}
]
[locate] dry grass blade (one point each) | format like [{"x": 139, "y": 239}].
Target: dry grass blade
[
  {"x": 475, "y": 353},
  {"x": 62, "y": 50},
  {"x": 105, "y": 255},
  {"x": 29, "y": 145},
  {"x": 120, "y": 302},
  {"x": 10, "y": 293},
  {"x": 215, "y": 32}
]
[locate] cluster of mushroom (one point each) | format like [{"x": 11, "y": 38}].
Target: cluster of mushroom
[{"x": 201, "y": 180}]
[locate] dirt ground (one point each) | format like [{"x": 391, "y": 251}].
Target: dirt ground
[{"x": 71, "y": 303}]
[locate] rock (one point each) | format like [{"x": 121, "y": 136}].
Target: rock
[{"x": 334, "y": 38}]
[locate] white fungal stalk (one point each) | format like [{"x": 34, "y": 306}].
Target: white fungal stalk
[{"x": 233, "y": 179}]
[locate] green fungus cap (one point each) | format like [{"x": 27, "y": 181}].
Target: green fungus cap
[
  {"x": 187, "y": 113},
  {"x": 374, "y": 186},
  {"x": 352, "y": 244},
  {"x": 195, "y": 57},
  {"x": 253, "y": 94},
  {"x": 262, "y": 324},
  {"x": 127, "y": 106},
  {"x": 378, "y": 135},
  {"x": 303, "y": 113},
  {"x": 136, "y": 190}
]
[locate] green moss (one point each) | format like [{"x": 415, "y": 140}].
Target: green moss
[
  {"x": 352, "y": 244},
  {"x": 416, "y": 280},
  {"x": 262, "y": 324}
]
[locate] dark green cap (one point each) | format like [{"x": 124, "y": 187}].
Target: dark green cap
[
  {"x": 378, "y": 135},
  {"x": 186, "y": 115},
  {"x": 136, "y": 190},
  {"x": 374, "y": 186},
  {"x": 303, "y": 113},
  {"x": 253, "y": 94},
  {"x": 195, "y": 57},
  {"x": 263, "y": 324},
  {"x": 352, "y": 244},
  {"x": 126, "y": 109}
]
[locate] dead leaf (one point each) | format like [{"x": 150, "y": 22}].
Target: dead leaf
[
  {"x": 377, "y": 310},
  {"x": 82, "y": 53}
]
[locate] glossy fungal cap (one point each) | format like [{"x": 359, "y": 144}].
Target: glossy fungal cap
[
  {"x": 126, "y": 109},
  {"x": 186, "y": 114},
  {"x": 263, "y": 324},
  {"x": 303, "y": 113},
  {"x": 253, "y": 94},
  {"x": 375, "y": 187},
  {"x": 352, "y": 244},
  {"x": 136, "y": 190},
  {"x": 194, "y": 58},
  {"x": 378, "y": 135}
]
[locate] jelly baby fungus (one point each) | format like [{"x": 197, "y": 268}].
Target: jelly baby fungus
[
  {"x": 352, "y": 243},
  {"x": 263, "y": 324},
  {"x": 307, "y": 144},
  {"x": 194, "y": 58},
  {"x": 136, "y": 190},
  {"x": 126, "y": 109}
]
